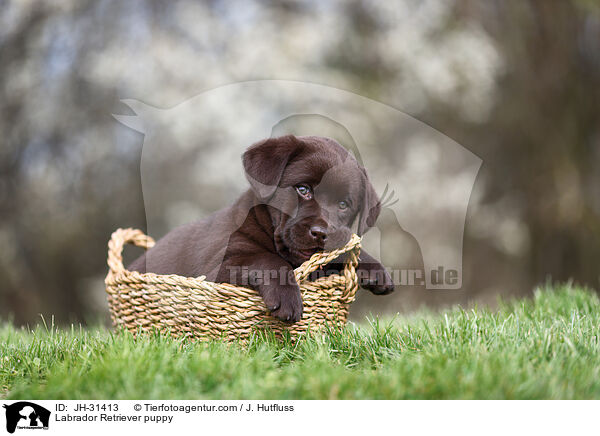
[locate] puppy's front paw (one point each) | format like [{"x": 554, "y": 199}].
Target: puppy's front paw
[
  {"x": 376, "y": 280},
  {"x": 284, "y": 302}
]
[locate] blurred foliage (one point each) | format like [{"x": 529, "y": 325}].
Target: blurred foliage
[{"x": 516, "y": 82}]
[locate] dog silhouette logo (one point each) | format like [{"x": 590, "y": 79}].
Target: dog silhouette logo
[
  {"x": 26, "y": 415},
  {"x": 429, "y": 177}
]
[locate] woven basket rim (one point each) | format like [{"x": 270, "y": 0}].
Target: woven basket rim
[{"x": 123, "y": 236}]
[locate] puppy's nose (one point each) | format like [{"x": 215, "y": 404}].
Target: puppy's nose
[{"x": 318, "y": 233}]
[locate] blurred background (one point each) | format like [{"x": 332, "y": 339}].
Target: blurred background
[{"x": 515, "y": 82}]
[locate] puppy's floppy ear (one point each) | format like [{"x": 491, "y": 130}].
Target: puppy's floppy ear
[
  {"x": 265, "y": 161},
  {"x": 370, "y": 208}
]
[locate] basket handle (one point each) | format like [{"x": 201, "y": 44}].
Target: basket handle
[
  {"x": 323, "y": 258},
  {"x": 118, "y": 239}
]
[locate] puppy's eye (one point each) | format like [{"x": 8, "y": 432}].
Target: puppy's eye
[
  {"x": 304, "y": 191},
  {"x": 343, "y": 205}
]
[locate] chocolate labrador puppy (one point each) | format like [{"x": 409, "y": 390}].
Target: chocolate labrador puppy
[{"x": 305, "y": 194}]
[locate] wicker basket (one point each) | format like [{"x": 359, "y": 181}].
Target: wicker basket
[{"x": 200, "y": 309}]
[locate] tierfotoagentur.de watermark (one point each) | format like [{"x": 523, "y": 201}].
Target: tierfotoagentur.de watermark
[{"x": 425, "y": 179}]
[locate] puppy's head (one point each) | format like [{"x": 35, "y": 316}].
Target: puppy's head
[{"x": 316, "y": 191}]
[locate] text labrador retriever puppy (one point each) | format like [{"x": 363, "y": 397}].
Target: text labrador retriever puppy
[{"x": 305, "y": 195}]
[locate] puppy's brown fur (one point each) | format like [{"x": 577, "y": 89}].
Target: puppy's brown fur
[{"x": 306, "y": 193}]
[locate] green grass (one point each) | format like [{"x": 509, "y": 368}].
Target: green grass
[{"x": 544, "y": 347}]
